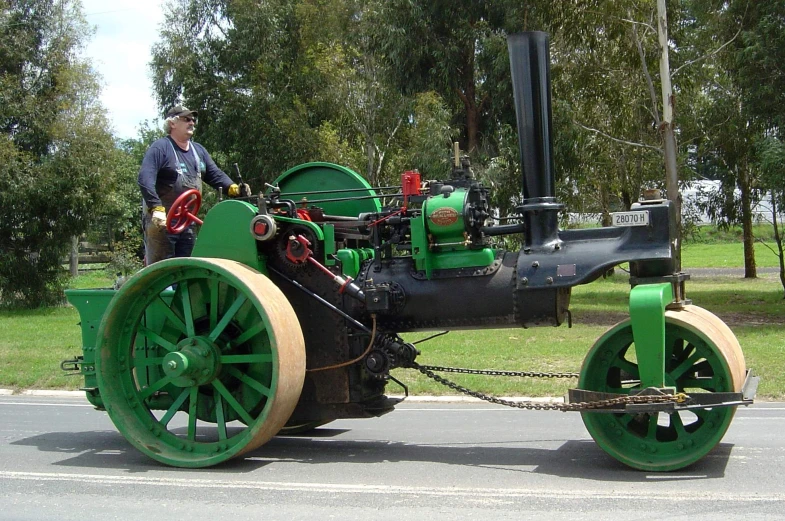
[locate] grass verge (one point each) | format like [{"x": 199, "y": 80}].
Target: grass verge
[{"x": 33, "y": 343}]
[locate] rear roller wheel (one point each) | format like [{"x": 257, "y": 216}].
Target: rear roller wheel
[
  {"x": 701, "y": 354},
  {"x": 209, "y": 371}
]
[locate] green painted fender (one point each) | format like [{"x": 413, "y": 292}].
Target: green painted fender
[{"x": 325, "y": 177}]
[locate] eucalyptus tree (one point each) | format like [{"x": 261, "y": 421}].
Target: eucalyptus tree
[
  {"x": 741, "y": 102},
  {"x": 613, "y": 68},
  {"x": 242, "y": 65},
  {"x": 755, "y": 64},
  {"x": 771, "y": 157},
  {"x": 456, "y": 49}
]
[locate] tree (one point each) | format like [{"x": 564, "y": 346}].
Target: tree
[
  {"x": 456, "y": 49},
  {"x": 54, "y": 147},
  {"x": 742, "y": 41},
  {"x": 362, "y": 105},
  {"x": 771, "y": 156},
  {"x": 285, "y": 82},
  {"x": 242, "y": 65},
  {"x": 755, "y": 64},
  {"x": 608, "y": 54}
]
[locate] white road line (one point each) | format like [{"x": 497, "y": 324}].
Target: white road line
[{"x": 340, "y": 488}]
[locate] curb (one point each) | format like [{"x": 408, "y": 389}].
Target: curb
[
  {"x": 469, "y": 399},
  {"x": 412, "y": 399},
  {"x": 43, "y": 392}
]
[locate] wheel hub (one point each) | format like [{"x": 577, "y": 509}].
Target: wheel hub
[{"x": 195, "y": 362}]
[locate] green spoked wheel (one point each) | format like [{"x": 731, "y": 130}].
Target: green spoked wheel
[
  {"x": 701, "y": 355},
  {"x": 202, "y": 373}
]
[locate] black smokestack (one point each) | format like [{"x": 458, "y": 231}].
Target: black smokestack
[{"x": 531, "y": 85}]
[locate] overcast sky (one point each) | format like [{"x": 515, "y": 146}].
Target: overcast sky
[{"x": 120, "y": 52}]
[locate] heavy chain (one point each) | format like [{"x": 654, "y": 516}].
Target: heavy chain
[
  {"x": 495, "y": 372},
  {"x": 540, "y": 406}
]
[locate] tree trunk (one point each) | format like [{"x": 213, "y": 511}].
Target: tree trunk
[
  {"x": 472, "y": 126},
  {"x": 750, "y": 271},
  {"x": 73, "y": 258},
  {"x": 778, "y": 238},
  {"x": 666, "y": 127},
  {"x": 606, "y": 206},
  {"x": 469, "y": 98},
  {"x": 371, "y": 171}
]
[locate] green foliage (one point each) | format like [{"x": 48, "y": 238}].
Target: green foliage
[
  {"x": 456, "y": 49},
  {"x": 758, "y": 55},
  {"x": 241, "y": 65},
  {"x": 54, "y": 149},
  {"x": 430, "y": 136}
]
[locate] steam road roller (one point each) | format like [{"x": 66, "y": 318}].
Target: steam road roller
[{"x": 288, "y": 314}]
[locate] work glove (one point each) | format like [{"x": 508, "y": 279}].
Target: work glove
[
  {"x": 158, "y": 216},
  {"x": 239, "y": 190}
]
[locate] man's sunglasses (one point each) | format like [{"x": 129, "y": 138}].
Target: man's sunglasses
[{"x": 187, "y": 119}]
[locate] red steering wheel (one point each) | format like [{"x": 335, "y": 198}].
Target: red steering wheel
[{"x": 183, "y": 211}]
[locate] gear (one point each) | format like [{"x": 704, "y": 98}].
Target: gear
[
  {"x": 377, "y": 364},
  {"x": 282, "y": 243},
  {"x": 382, "y": 358}
]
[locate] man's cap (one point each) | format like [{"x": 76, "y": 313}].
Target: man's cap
[{"x": 179, "y": 110}]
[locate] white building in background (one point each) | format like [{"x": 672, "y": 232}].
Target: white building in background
[
  {"x": 692, "y": 194},
  {"x": 696, "y": 192}
]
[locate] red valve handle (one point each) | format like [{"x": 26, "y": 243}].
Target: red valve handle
[{"x": 183, "y": 211}]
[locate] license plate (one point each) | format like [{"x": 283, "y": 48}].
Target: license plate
[{"x": 630, "y": 218}]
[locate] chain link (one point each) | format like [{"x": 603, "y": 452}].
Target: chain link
[
  {"x": 495, "y": 372},
  {"x": 540, "y": 406}
]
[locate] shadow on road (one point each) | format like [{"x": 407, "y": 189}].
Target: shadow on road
[{"x": 576, "y": 459}]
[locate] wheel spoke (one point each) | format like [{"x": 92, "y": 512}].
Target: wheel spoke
[
  {"x": 228, "y": 316},
  {"x": 707, "y": 383},
  {"x": 702, "y": 414},
  {"x": 187, "y": 310},
  {"x": 144, "y": 394},
  {"x": 220, "y": 419},
  {"x": 250, "y": 382},
  {"x": 156, "y": 339},
  {"x": 194, "y": 396},
  {"x": 674, "y": 349},
  {"x": 651, "y": 432},
  {"x": 678, "y": 424},
  {"x": 232, "y": 401},
  {"x": 174, "y": 408},
  {"x": 248, "y": 334},
  {"x": 171, "y": 315},
  {"x": 626, "y": 366},
  {"x": 213, "y": 303},
  {"x": 140, "y": 362},
  {"x": 247, "y": 359},
  {"x": 678, "y": 371}
]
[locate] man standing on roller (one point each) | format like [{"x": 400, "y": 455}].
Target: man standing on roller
[{"x": 172, "y": 165}]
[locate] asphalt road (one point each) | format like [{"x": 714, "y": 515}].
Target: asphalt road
[{"x": 60, "y": 459}]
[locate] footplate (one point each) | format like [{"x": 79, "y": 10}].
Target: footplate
[{"x": 692, "y": 401}]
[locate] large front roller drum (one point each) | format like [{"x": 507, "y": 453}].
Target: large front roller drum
[
  {"x": 202, "y": 373},
  {"x": 701, "y": 354}
]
